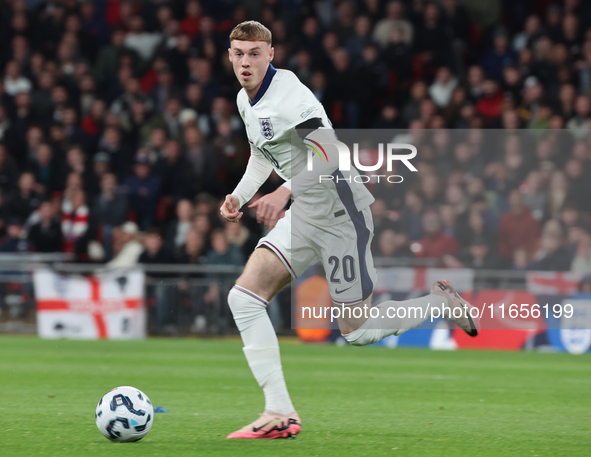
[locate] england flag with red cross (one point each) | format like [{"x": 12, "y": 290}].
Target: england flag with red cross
[{"x": 105, "y": 306}]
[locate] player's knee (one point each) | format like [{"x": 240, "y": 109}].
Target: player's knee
[
  {"x": 364, "y": 336},
  {"x": 244, "y": 304}
]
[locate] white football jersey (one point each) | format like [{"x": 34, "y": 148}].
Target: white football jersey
[{"x": 281, "y": 104}]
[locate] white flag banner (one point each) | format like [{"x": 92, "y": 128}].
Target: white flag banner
[{"x": 105, "y": 306}]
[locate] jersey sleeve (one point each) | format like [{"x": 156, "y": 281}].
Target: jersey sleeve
[
  {"x": 325, "y": 140},
  {"x": 257, "y": 171},
  {"x": 297, "y": 105}
]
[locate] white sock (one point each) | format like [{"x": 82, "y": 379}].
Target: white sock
[
  {"x": 415, "y": 312},
  {"x": 261, "y": 347}
]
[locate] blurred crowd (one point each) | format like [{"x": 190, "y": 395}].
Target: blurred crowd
[
  {"x": 119, "y": 133},
  {"x": 489, "y": 199}
]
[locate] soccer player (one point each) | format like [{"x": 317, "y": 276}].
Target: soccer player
[{"x": 333, "y": 226}]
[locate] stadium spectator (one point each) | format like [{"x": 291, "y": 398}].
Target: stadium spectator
[
  {"x": 553, "y": 254},
  {"x": 169, "y": 120},
  {"x": 478, "y": 255},
  {"x": 143, "y": 191},
  {"x": 499, "y": 55},
  {"x": 193, "y": 252},
  {"x": 489, "y": 202},
  {"x": 489, "y": 105},
  {"x": 418, "y": 93},
  {"x": 87, "y": 87},
  {"x": 238, "y": 235},
  {"x": 389, "y": 118},
  {"x": 442, "y": 88},
  {"x": 46, "y": 170},
  {"x": 23, "y": 119},
  {"x": 8, "y": 170},
  {"x": 76, "y": 163},
  {"x": 395, "y": 19},
  {"x": 381, "y": 221},
  {"x": 193, "y": 249},
  {"x": 222, "y": 252},
  {"x": 558, "y": 189},
  {"x": 23, "y": 201},
  {"x": 521, "y": 260},
  {"x": 142, "y": 42},
  {"x": 220, "y": 110},
  {"x": 74, "y": 182},
  {"x": 156, "y": 253},
  {"x": 431, "y": 38},
  {"x": 156, "y": 141},
  {"x": 430, "y": 185},
  {"x": 46, "y": 234},
  {"x": 190, "y": 23},
  {"x": 393, "y": 245},
  {"x": 342, "y": 92},
  {"x": 517, "y": 228},
  {"x": 201, "y": 72},
  {"x": 75, "y": 222},
  {"x": 14, "y": 82},
  {"x": 360, "y": 38},
  {"x": 411, "y": 214},
  {"x": 474, "y": 226},
  {"x": 579, "y": 179},
  {"x": 582, "y": 260},
  {"x": 120, "y": 155},
  {"x": 109, "y": 210},
  {"x": 534, "y": 196},
  {"x": 107, "y": 61},
  {"x": 41, "y": 96},
  {"x": 15, "y": 240},
  {"x": 531, "y": 32},
  {"x": 202, "y": 225},
  {"x": 435, "y": 244},
  {"x": 202, "y": 160},
  {"x": 92, "y": 123},
  {"x": 174, "y": 171},
  {"x": 126, "y": 246},
  {"x": 230, "y": 151},
  {"x": 122, "y": 105},
  {"x": 100, "y": 167},
  {"x": 177, "y": 229},
  {"x": 579, "y": 122},
  {"x": 570, "y": 216},
  {"x": 458, "y": 20},
  {"x": 448, "y": 219}
]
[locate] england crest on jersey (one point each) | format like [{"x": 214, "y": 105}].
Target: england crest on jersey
[{"x": 266, "y": 127}]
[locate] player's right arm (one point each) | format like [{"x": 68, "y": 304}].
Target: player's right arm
[{"x": 257, "y": 171}]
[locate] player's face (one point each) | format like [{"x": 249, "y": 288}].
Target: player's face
[{"x": 250, "y": 60}]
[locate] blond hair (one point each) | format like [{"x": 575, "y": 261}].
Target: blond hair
[{"x": 251, "y": 31}]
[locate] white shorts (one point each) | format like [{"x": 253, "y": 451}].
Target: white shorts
[{"x": 343, "y": 248}]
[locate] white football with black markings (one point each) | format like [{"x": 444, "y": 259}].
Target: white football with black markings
[{"x": 124, "y": 414}]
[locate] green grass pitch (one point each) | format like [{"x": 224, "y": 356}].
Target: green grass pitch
[{"x": 352, "y": 401}]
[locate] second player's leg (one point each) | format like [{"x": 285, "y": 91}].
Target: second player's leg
[
  {"x": 396, "y": 317},
  {"x": 351, "y": 275},
  {"x": 363, "y": 324}
]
